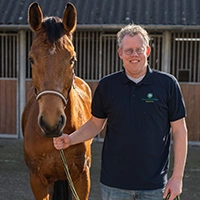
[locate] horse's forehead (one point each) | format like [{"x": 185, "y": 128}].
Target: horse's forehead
[
  {"x": 52, "y": 50},
  {"x": 41, "y": 44}
]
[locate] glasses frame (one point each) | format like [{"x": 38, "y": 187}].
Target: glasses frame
[{"x": 138, "y": 51}]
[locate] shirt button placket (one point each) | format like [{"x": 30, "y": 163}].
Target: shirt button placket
[{"x": 134, "y": 92}]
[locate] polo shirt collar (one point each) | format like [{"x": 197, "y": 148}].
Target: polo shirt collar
[{"x": 147, "y": 80}]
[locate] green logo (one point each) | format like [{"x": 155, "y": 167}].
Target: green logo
[
  {"x": 150, "y": 95},
  {"x": 149, "y": 98}
]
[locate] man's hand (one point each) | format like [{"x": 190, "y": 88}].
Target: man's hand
[
  {"x": 62, "y": 142},
  {"x": 173, "y": 187}
]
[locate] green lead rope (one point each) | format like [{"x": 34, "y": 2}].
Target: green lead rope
[
  {"x": 177, "y": 198},
  {"x": 71, "y": 185}
]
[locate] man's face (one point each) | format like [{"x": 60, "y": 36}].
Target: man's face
[{"x": 134, "y": 54}]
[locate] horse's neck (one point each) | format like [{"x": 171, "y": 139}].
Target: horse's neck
[{"x": 78, "y": 111}]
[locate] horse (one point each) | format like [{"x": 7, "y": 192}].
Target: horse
[{"x": 58, "y": 102}]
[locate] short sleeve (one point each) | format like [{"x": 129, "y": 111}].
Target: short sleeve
[
  {"x": 98, "y": 109},
  {"x": 176, "y": 103}
]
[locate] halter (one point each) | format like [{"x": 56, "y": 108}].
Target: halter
[{"x": 38, "y": 96}]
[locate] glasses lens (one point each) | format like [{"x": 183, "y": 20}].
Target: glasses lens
[{"x": 130, "y": 51}]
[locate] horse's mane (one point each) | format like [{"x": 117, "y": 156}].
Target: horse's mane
[
  {"x": 51, "y": 31},
  {"x": 54, "y": 28}
]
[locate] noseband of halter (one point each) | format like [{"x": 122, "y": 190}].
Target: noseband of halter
[
  {"x": 38, "y": 96},
  {"x": 52, "y": 92}
]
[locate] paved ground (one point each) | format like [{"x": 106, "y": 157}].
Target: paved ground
[{"x": 14, "y": 178}]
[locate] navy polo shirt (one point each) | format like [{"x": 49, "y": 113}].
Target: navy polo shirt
[{"x": 137, "y": 142}]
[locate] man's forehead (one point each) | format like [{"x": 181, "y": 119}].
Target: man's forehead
[{"x": 136, "y": 40}]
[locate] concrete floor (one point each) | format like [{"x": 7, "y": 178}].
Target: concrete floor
[{"x": 14, "y": 177}]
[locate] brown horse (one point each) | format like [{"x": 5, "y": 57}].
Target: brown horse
[{"x": 58, "y": 102}]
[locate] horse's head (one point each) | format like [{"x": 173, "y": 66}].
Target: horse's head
[{"x": 52, "y": 58}]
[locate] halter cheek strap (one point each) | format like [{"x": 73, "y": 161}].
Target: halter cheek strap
[{"x": 52, "y": 92}]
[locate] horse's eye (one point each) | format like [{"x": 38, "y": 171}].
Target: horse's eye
[
  {"x": 72, "y": 60},
  {"x": 31, "y": 60}
]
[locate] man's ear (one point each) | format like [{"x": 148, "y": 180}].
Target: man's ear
[
  {"x": 120, "y": 52},
  {"x": 148, "y": 51}
]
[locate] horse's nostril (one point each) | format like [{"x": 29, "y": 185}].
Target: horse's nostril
[
  {"x": 41, "y": 121},
  {"x": 62, "y": 120}
]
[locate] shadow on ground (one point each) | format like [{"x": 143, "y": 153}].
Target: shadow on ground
[{"x": 14, "y": 177}]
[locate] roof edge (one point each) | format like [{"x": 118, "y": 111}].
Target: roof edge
[
  {"x": 111, "y": 27},
  {"x": 148, "y": 27}
]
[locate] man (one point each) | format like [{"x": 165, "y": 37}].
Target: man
[{"x": 143, "y": 109}]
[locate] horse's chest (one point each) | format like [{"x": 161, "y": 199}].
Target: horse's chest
[{"x": 48, "y": 166}]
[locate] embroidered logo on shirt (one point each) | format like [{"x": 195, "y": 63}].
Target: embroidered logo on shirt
[
  {"x": 150, "y": 95},
  {"x": 149, "y": 98}
]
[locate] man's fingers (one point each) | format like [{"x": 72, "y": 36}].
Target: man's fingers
[{"x": 58, "y": 143}]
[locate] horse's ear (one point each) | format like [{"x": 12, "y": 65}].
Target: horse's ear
[
  {"x": 35, "y": 16},
  {"x": 69, "y": 18}
]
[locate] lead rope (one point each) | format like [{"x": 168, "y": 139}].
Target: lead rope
[
  {"x": 71, "y": 185},
  {"x": 177, "y": 197}
]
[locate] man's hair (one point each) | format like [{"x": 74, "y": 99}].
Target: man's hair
[{"x": 132, "y": 30}]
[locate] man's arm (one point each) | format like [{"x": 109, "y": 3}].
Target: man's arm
[
  {"x": 179, "y": 134},
  {"x": 87, "y": 131}
]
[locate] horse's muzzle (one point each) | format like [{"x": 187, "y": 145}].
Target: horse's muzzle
[{"x": 52, "y": 130}]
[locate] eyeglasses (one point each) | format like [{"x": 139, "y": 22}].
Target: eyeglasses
[{"x": 130, "y": 51}]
